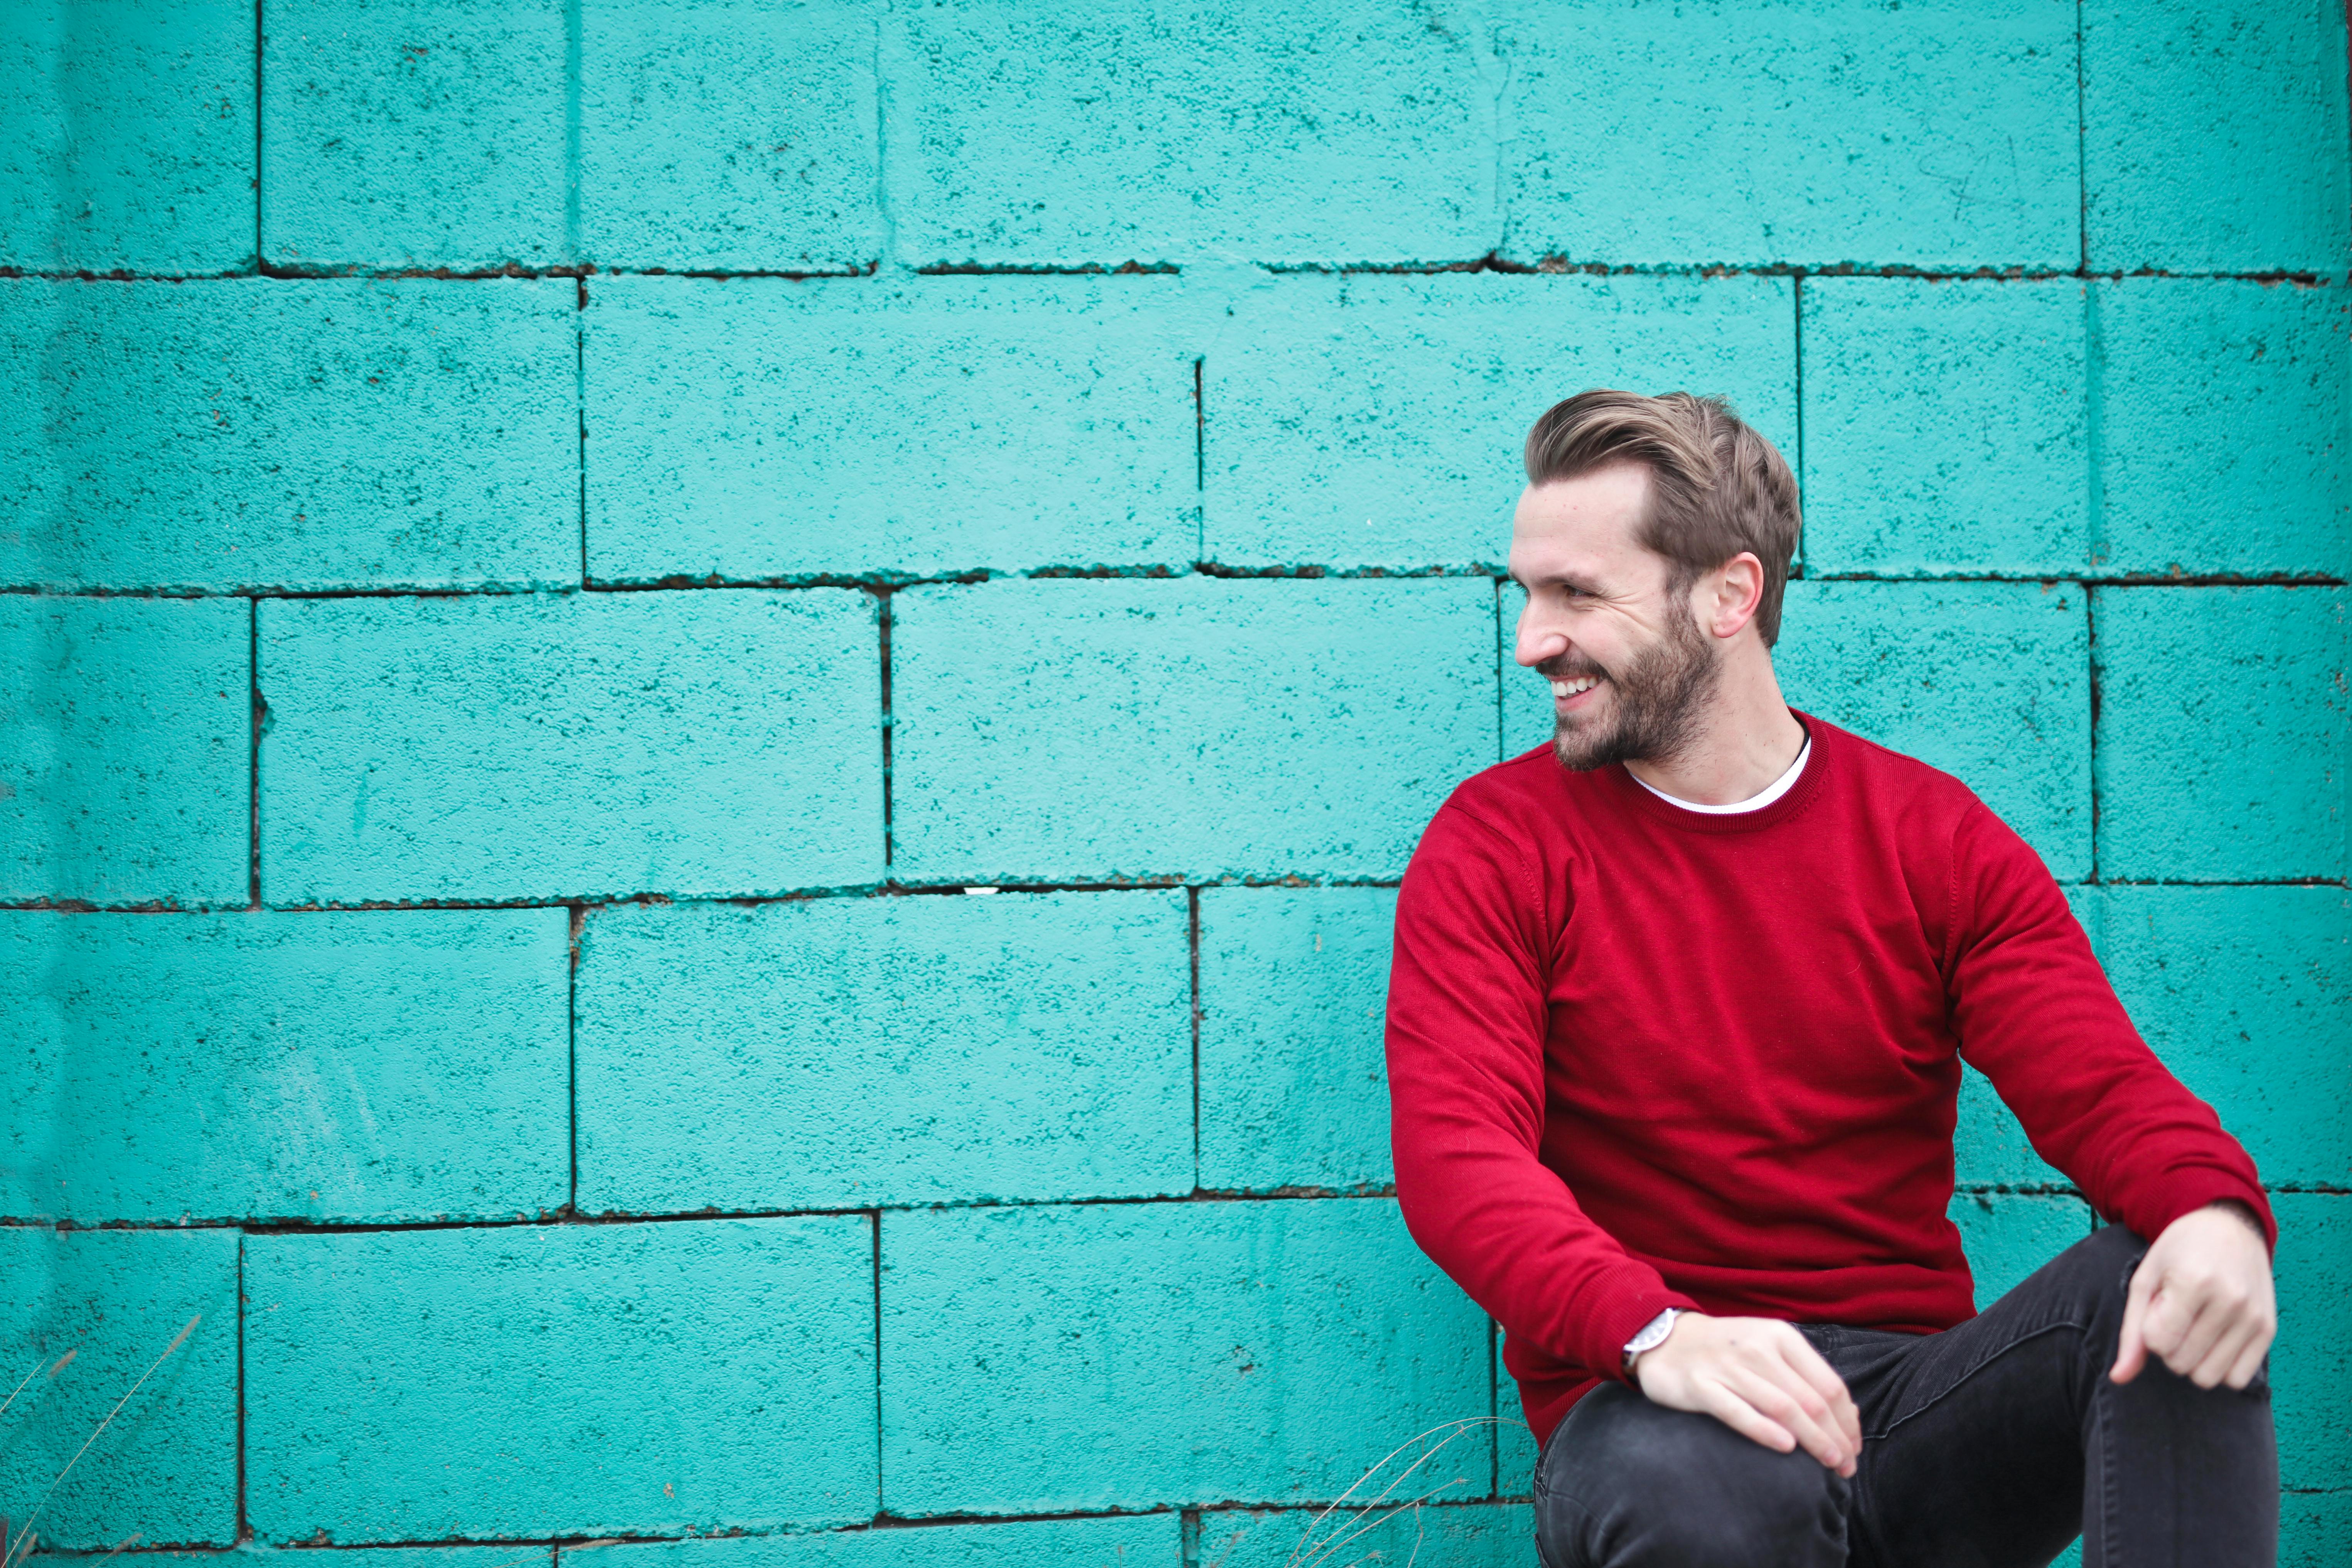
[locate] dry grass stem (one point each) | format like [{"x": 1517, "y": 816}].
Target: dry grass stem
[
  {"x": 20, "y": 1387},
  {"x": 1312, "y": 1554},
  {"x": 21, "y": 1547}
]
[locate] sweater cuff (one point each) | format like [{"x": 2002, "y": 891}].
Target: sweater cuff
[
  {"x": 2177, "y": 1193},
  {"x": 1613, "y": 1310}
]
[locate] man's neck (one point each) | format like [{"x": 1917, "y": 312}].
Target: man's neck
[{"x": 1746, "y": 741}]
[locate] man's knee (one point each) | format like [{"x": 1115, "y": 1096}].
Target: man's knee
[{"x": 1633, "y": 1484}]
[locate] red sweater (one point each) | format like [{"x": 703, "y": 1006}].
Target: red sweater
[{"x": 1642, "y": 1057}]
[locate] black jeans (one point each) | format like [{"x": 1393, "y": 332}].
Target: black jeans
[{"x": 1989, "y": 1445}]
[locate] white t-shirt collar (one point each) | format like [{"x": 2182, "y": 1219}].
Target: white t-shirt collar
[{"x": 1756, "y": 802}]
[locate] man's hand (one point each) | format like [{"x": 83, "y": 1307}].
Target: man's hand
[
  {"x": 1758, "y": 1377},
  {"x": 2201, "y": 1299}
]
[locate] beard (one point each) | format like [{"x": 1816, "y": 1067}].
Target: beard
[{"x": 1659, "y": 695}]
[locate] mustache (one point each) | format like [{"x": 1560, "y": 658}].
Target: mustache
[{"x": 1568, "y": 667}]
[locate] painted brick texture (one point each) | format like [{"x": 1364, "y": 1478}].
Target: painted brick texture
[{"x": 708, "y": 709}]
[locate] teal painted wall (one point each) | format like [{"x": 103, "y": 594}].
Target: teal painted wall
[{"x": 551, "y": 547}]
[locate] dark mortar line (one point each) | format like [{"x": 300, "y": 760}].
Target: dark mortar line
[
  {"x": 577, "y": 923},
  {"x": 319, "y": 272},
  {"x": 244, "y": 1518},
  {"x": 877, "y": 1216},
  {"x": 257, "y": 713},
  {"x": 260, "y": 53},
  {"x": 1192, "y": 954},
  {"x": 1047, "y": 269},
  {"x": 1550, "y": 265},
  {"x": 1502, "y": 689},
  {"x": 1200, "y": 458},
  {"x": 1494, "y": 1410},
  {"x": 1188, "y": 1538},
  {"x": 885, "y": 621},
  {"x": 2105, "y": 579},
  {"x": 557, "y": 1218},
  {"x": 2091, "y": 733},
  {"x": 878, "y": 583},
  {"x": 590, "y": 904},
  {"x": 580, "y": 407},
  {"x": 1796, "y": 311}
]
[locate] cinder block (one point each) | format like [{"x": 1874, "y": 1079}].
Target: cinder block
[
  {"x": 1198, "y": 727},
  {"x": 1939, "y": 134},
  {"x": 2223, "y": 408},
  {"x": 89, "y": 1313},
  {"x": 1377, "y": 420},
  {"x": 2214, "y": 136},
  {"x": 2311, "y": 1365},
  {"x": 169, "y": 1068},
  {"x": 1133, "y": 1540},
  {"x": 1989, "y": 681},
  {"x": 538, "y": 746},
  {"x": 125, "y": 745},
  {"x": 727, "y": 135},
  {"x": 1945, "y": 426},
  {"x": 131, "y": 135},
  {"x": 421, "y": 133},
  {"x": 767, "y": 428},
  {"x": 2246, "y": 993},
  {"x": 266, "y": 434},
  {"x": 769, "y": 1058},
  {"x": 1131, "y": 1355},
  {"x": 1156, "y": 131},
  {"x": 2222, "y": 733},
  {"x": 559, "y": 1380},
  {"x": 2008, "y": 1236},
  {"x": 2315, "y": 1529},
  {"x": 1294, "y": 1085},
  {"x": 1442, "y": 1533}
]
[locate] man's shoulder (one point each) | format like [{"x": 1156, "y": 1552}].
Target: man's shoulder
[{"x": 1519, "y": 798}]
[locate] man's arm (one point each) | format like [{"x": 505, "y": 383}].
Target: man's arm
[
  {"x": 2035, "y": 1013},
  {"x": 1465, "y": 1058}
]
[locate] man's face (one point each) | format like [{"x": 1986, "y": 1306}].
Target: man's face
[{"x": 1605, "y": 623}]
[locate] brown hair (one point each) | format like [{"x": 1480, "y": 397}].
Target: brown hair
[{"x": 1716, "y": 487}]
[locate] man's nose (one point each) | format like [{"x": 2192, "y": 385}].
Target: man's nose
[{"x": 1535, "y": 643}]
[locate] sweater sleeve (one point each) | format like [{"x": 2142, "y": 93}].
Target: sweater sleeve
[
  {"x": 1465, "y": 1060},
  {"x": 2035, "y": 1014}
]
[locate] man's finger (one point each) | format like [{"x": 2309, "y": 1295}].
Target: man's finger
[
  {"x": 2222, "y": 1355},
  {"x": 2211, "y": 1324},
  {"x": 1822, "y": 1378},
  {"x": 1785, "y": 1407},
  {"x": 1736, "y": 1414},
  {"x": 2131, "y": 1344},
  {"x": 2250, "y": 1359}
]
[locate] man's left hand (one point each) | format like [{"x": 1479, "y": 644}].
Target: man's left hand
[{"x": 2201, "y": 1299}]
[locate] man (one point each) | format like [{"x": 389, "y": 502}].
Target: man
[{"x": 1675, "y": 1026}]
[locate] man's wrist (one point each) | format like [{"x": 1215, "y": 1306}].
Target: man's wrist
[
  {"x": 1649, "y": 1337},
  {"x": 2238, "y": 1209}
]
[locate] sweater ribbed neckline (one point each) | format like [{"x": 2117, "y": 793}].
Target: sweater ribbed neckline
[{"x": 1827, "y": 746}]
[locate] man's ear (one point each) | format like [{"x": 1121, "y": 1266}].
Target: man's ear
[{"x": 1738, "y": 589}]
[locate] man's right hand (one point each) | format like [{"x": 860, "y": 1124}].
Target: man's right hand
[{"x": 1761, "y": 1378}]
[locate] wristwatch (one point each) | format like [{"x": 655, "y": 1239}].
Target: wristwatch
[{"x": 1652, "y": 1334}]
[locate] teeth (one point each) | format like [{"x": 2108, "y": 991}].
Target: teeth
[{"x": 1570, "y": 688}]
